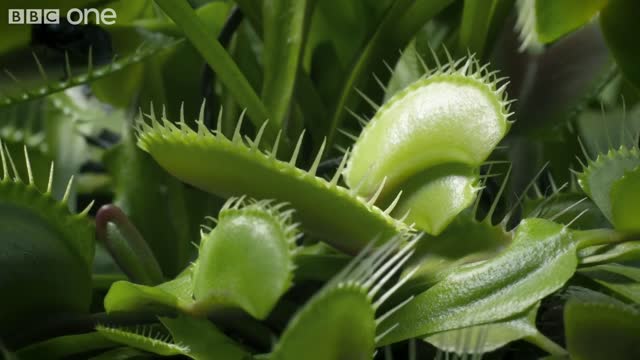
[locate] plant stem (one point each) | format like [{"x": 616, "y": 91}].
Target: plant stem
[
  {"x": 595, "y": 237},
  {"x": 546, "y": 344}
]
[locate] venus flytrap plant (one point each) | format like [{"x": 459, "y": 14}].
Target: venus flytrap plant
[
  {"x": 485, "y": 338},
  {"x": 315, "y": 199},
  {"x": 471, "y": 237},
  {"x": 245, "y": 262},
  {"x": 56, "y": 248},
  {"x": 351, "y": 300},
  {"x": 316, "y": 255},
  {"x": 502, "y": 286},
  {"x": 15, "y": 138},
  {"x": 145, "y": 338},
  {"x": 429, "y": 141},
  {"x": 622, "y": 281},
  {"x": 599, "y": 176},
  {"x": 46, "y": 82}
]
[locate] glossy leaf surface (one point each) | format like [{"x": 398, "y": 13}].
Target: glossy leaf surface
[{"x": 495, "y": 289}]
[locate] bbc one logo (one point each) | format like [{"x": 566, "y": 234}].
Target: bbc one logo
[{"x": 52, "y": 16}]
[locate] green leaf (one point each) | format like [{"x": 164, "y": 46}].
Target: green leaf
[
  {"x": 284, "y": 25},
  {"x": 619, "y": 27},
  {"x": 407, "y": 137},
  {"x": 424, "y": 197},
  {"x": 157, "y": 80},
  {"x": 566, "y": 207},
  {"x": 177, "y": 294},
  {"x": 495, "y": 289},
  {"x": 600, "y": 175},
  {"x": 466, "y": 240},
  {"x": 335, "y": 325},
  {"x": 140, "y": 185},
  {"x": 598, "y": 327},
  {"x": 68, "y": 147},
  {"x": 622, "y": 280},
  {"x": 400, "y": 23},
  {"x": 478, "y": 17},
  {"x": 246, "y": 261},
  {"x": 150, "y": 338},
  {"x": 339, "y": 321},
  {"x": 481, "y": 339},
  {"x": 544, "y": 21},
  {"x": 625, "y": 201},
  {"x": 203, "y": 340},
  {"x": 321, "y": 205},
  {"x": 46, "y": 253},
  {"x": 600, "y": 132},
  {"x": 627, "y": 251},
  {"x": 422, "y": 144},
  {"x": 217, "y": 57},
  {"x": 65, "y": 346},
  {"x": 32, "y": 73}
]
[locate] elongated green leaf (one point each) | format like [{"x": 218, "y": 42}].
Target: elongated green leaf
[
  {"x": 33, "y": 72},
  {"x": 481, "y": 339},
  {"x": 65, "y": 346},
  {"x": 399, "y": 25},
  {"x": 478, "y": 17},
  {"x": 543, "y": 21},
  {"x": 203, "y": 340},
  {"x": 627, "y": 251},
  {"x": 619, "y": 27},
  {"x": 622, "y": 280},
  {"x": 493, "y": 290},
  {"x": 465, "y": 241},
  {"x": 150, "y": 338},
  {"x": 156, "y": 80},
  {"x": 216, "y": 56},
  {"x": 284, "y": 24},
  {"x": 598, "y": 327}
]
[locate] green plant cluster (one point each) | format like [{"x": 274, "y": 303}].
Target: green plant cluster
[{"x": 330, "y": 180}]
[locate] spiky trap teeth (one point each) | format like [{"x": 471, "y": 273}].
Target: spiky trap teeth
[
  {"x": 341, "y": 320},
  {"x": 209, "y": 160},
  {"x": 600, "y": 177},
  {"x": 50, "y": 249},
  {"x": 145, "y": 338},
  {"x": 430, "y": 139}
]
